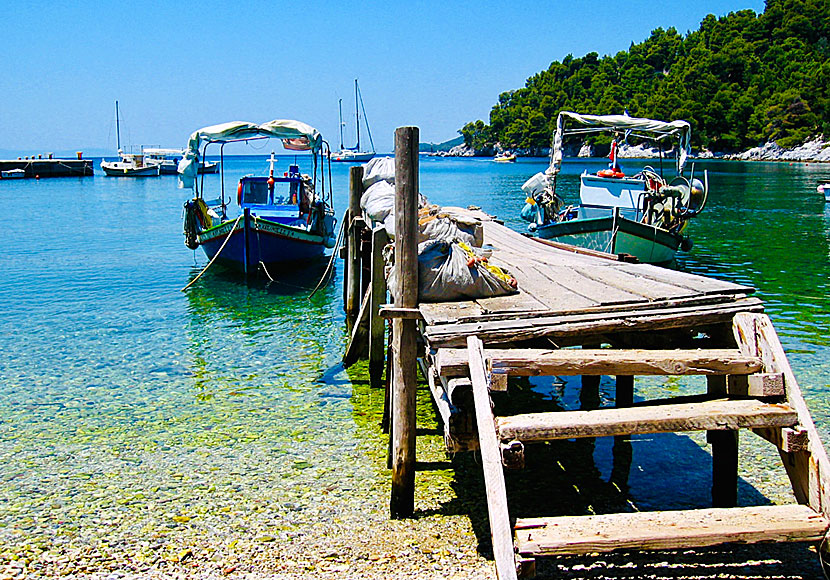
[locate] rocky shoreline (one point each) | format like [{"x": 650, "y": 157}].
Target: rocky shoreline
[{"x": 816, "y": 150}]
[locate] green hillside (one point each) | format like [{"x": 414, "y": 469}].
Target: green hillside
[{"x": 741, "y": 80}]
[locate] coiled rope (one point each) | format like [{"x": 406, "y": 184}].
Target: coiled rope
[{"x": 222, "y": 247}]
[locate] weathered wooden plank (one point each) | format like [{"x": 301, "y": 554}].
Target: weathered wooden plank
[
  {"x": 808, "y": 470},
  {"x": 501, "y": 331},
  {"x": 668, "y": 530},
  {"x": 669, "y": 418},
  {"x": 491, "y": 464},
  {"x": 546, "y": 362},
  {"x": 399, "y": 312},
  {"x": 493, "y": 314},
  {"x": 441, "y": 312}
]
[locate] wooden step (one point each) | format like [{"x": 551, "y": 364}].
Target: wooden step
[
  {"x": 669, "y": 418},
  {"x": 667, "y": 530},
  {"x": 537, "y": 362}
]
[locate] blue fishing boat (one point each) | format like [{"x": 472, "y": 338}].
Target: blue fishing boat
[{"x": 281, "y": 219}]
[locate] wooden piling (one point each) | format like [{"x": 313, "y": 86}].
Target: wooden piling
[
  {"x": 352, "y": 274},
  {"x": 377, "y": 325},
  {"x": 724, "y": 454},
  {"x": 404, "y": 330}
]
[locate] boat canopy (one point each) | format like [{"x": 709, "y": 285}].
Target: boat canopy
[
  {"x": 654, "y": 130},
  {"x": 295, "y": 135}
]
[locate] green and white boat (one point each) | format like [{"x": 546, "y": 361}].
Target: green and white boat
[{"x": 642, "y": 215}]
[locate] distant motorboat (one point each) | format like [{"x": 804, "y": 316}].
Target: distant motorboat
[
  {"x": 354, "y": 154},
  {"x": 130, "y": 165},
  {"x": 168, "y": 160},
  {"x": 505, "y": 157},
  {"x": 824, "y": 187}
]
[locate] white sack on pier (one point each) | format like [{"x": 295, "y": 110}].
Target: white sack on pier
[
  {"x": 453, "y": 271},
  {"x": 379, "y": 169},
  {"x": 447, "y": 223},
  {"x": 378, "y": 201}
]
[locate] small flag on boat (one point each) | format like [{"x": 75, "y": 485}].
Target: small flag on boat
[
  {"x": 296, "y": 144},
  {"x": 613, "y": 156}
]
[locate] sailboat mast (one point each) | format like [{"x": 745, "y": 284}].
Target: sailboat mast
[
  {"x": 340, "y": 106},
  {"x": 117, "y": 127},
  {"x": 356, "y": 117}
]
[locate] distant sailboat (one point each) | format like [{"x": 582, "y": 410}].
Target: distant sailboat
[
  {"x": 128, "y": 164},
  {"x": 354, "y": 154}
]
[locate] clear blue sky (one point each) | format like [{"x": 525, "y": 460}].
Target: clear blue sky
[{"x": 177, "y": 66}]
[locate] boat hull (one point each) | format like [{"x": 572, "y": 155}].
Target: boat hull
[
  {"x": 618, "y": 235},
  {"x": 116, "y": 171},
  {"x": 351, "y": 157},
  {"x": 265, "y": 242}
]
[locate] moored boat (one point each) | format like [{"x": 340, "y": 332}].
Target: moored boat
[
  {"x": 281, "y": 219},
  {"x": 824, "y": 188},
  {"x": 128, "y": 164},
  {"x": 13, "y": 174},
  {"x": 643, "y": 215}
]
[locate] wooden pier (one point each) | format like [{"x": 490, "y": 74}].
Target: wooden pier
[
  {"x": 588, "y": 314},
  {"x": 49, "y": 167}
]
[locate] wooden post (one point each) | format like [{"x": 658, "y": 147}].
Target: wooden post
[
  {"x": 402, "y": 502},
  {"x": 624, "y": 393},
  {"x": 352, "y": 275},
  {"x": 724, "y": 454},
  {"x": 377, "y": 325}
]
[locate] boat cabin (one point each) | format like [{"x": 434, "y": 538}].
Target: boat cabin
[{"x": 285, "y": 199}]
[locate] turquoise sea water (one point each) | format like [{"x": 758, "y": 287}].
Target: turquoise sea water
[{"x": 117, "y": 390}]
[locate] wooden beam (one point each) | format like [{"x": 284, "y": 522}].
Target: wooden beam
[
  {"x": 669, "y": 530},
  {"x": 669, "y": 418},
  {"x": 808, "y": 470},
  {"x": 393, "y": 312},
  {"x": 491, "y": 464},
  {"x": 548, "y": 362},
  {"x": 377, "y": 325},
  {"x": 724, "y": 453},
  {"x": 352, "y": 277},
  {"x": 404, "y": 332},
  {"x": 582, "y": 326},
  {"x": 358, "y": 341}
]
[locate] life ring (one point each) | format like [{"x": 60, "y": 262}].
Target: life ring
[{"x": 610, "y": 173}]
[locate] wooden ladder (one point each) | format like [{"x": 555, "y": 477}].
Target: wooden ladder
[{"x": 751, "y": 387}]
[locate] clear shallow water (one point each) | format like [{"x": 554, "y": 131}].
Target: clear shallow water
[{"x": 119, "y": 392}]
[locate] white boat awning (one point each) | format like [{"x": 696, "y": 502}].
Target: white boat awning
[
  {"x": 295, "y": 135},
  {"x": 681, "y": 130}
]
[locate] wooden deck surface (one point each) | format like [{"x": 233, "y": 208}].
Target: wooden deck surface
[{"x": 559, "y": 288}]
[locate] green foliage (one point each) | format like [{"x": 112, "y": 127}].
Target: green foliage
[{"x": 741, "y": 80}]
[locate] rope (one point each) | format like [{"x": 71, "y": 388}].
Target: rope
[
  {"x": 333, "y": 255},
  {"x": 259, "y": 249},
  {"x": 222, "y": 247}
]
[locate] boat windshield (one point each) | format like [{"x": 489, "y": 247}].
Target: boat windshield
[{"x": 283, "y": 191}]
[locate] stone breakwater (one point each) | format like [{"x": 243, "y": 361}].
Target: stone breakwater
[{"x": 815, "y": 150}]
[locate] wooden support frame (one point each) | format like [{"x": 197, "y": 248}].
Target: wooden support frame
[
  {"x": 538, "y": 362},
  {"x": 808, "y": 469},
  {"x": 377, "y": 325},
  {"x": 491, "y": 460},
  {"x": 352, "y": 274}
]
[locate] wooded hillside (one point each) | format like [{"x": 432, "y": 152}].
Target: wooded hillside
[{"x": 740, "y": 80}]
